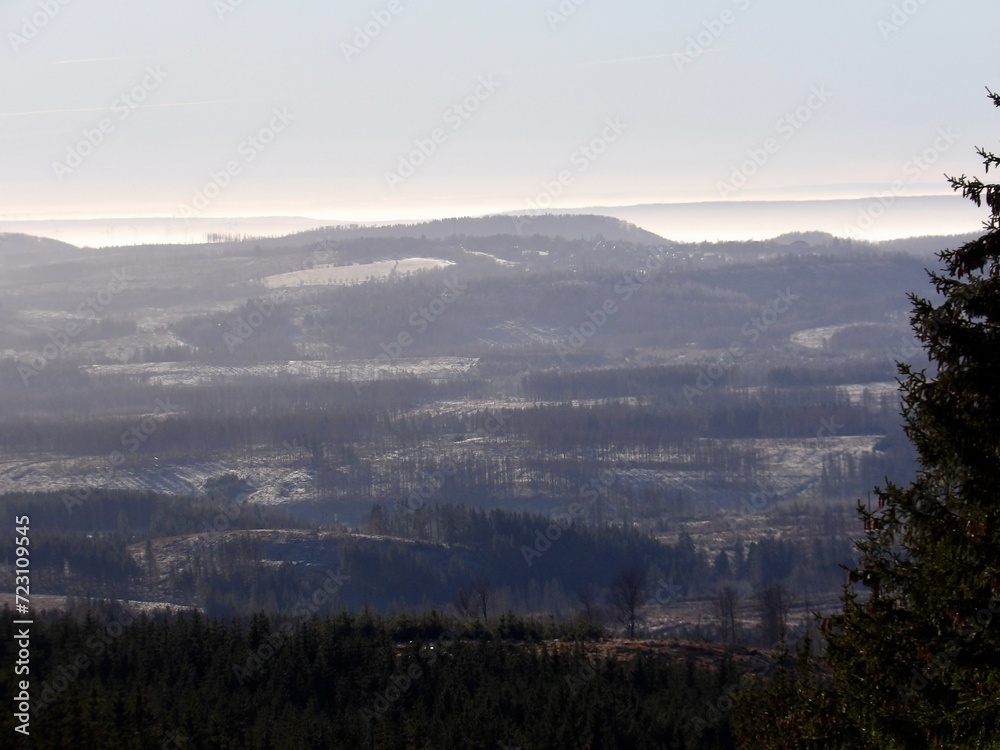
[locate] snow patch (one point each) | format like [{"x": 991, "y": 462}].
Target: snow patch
[{"x": 354, "y": 274}]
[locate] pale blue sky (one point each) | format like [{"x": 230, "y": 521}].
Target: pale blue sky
[{"x": 218, "y": 76}]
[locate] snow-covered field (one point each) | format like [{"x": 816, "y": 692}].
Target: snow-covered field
[
  {"x": 354, "y": 274},
  {"x": 816, "y": 338},
  {"x": 495, "y": 259},
  {"x": 795, "y": 463},
  {"x": 875, "y": 391},
  {"x": 788, "y": 469},
  {"x": 185, "y": 373},
  {"x": 272, "y": 482}
]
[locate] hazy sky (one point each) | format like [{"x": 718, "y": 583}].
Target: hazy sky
[{"x": 410, "y": 108}]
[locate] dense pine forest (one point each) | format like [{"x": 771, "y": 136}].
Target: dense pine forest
[{"x": 115, "y": 678}]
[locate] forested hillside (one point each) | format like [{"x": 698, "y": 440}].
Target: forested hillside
[
  {"x": 618, "y": 440},
  {"x": 119, "y": 679}
]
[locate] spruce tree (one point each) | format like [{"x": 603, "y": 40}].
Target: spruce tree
[{"x": 915, "y": 653}]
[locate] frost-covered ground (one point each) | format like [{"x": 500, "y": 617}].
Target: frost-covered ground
[
  {"x": 520, "y": 332},
  {"x": 871, "y": 391},
  {"x": 816, "y": 338},
  {"x": 795, "y": 463},
  {"x": 354, "y": 274},
  {"x": 187, "y": 373},
  {"x": 273, "y": 479},
  {"x": 43, "y": 602},
  {"x": 498, "y": 261},
  {"x": 787, "y": 471}
]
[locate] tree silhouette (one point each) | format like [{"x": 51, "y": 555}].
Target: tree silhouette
[
  {"x": 481, "y": 588},
  {"x": 727, "y": 603},
  {"x": 773, "y": 604},
  {"x": 916, "y": 651},
  {"x": 627, "y": 595}
]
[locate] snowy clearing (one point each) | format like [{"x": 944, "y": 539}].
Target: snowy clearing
[
  {"x": 874, "y": 391},
  {"x": 816, "y": 338},
  {"x": 355, "y": 274},
  {"x": 187, "y": 373}
]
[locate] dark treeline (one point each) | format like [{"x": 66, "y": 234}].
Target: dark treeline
[
  {"x": 549, "y": 229},
  {"x": 91, "y": 330},
  {"x": 64, "y": 392},
  {"x": 241, "y": 416},
  {"x": 137, "y": 516},
  {"x": 81, "y": 543},
  {"x": 843, "y": 374},
  {"x": 517, "y": 551},
  {"x": 232, "y": 558},
  {"x": 118, "y": 679},
  {"x": 660, "y": 382}
]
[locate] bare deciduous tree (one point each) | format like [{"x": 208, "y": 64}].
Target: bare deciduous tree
[
  {"x": 773, "y": 604},
  {"x": 591, "y": 609},
  {"x": 627, "y": 596},
  {"x": 727, "y": 602},
  {"x": 465, "y": 602},
  {"x": 481, "y": 588}
]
